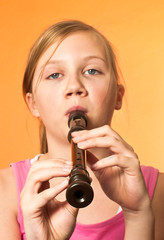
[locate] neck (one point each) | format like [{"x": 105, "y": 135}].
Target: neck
[{"x": 61, "y": 148}]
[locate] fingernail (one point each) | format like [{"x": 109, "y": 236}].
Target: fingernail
[
  {"x": 81, "y": 145},
  {"x": 68, "y": 163},
  {"x": 66, "y": 169},
  {"x": 75, "y": 139},
  {"x": 68, "y": 166}
]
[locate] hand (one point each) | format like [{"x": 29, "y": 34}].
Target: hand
[
  {"x": 119, "y": 173},
  {"x": 45, "y": 217}
]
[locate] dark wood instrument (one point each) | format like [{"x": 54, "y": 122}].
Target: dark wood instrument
[{"x": 79, "y": 192}]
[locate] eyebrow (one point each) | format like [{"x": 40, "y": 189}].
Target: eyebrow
[
  {"x": 49, "y": 63},
  {"x": 96, "y": 57},
  {"x": 60, "y": 61}
]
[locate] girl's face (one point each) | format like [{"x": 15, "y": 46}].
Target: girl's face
[{"x": 76, "y": 77}]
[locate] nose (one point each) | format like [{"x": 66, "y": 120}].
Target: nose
[{"x": 75, "y": 87}]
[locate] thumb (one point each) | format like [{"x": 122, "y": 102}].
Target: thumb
[{"x": 72, "y": 210}]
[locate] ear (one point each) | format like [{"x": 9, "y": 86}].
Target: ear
[
  {"x": 119, "y": 96},
  {"x": 32, "y": 105}
]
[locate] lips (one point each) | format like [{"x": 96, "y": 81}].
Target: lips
[{"x": 74, "y": 109}]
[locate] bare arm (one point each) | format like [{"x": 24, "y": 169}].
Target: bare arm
[
  {"x": 121, "y": 179},
  {"x": 9, "y": 229},
  {"x": 158, "y": 208},
  {"x": 152, "y": 225},
  {"x": 140, "y": 224}
]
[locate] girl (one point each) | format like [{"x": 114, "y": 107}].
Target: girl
[{"x": 72, "y": 67}]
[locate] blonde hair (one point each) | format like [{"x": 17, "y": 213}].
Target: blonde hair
[{"x": 56, "y": 33}]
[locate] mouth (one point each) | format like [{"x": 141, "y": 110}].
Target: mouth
[{"x": 74, "y": 109}]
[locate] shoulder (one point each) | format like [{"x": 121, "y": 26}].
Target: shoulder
[
  {"x": 12, "y": 181},
  {"x": 8, "y": 191},
  {"x": 9, "y": 205},
  {"x": 6, "y": 177},
  {"x": 157, "y": 206}
]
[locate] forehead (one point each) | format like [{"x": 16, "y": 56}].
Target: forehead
[{"x": 78, "y": 44}]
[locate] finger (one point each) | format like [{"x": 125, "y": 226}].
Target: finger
[
  {"x": 103, "y": 131},
  {"x": 36, "y": 178},
  {"x": 96, "y": 132},
  {"x": 112, "y": 143},
  {"x": 72, "y": 210},
  {"x": 123, "y": 162},
  {"x": 41, "y": 199},
  {"x": 50, "y": 163},
  {"x": 45, "y": 196}
]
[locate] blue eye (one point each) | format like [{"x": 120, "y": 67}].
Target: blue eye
[
  {"x": 92, "y": 72},
  {"x": 54, "y": 76}
]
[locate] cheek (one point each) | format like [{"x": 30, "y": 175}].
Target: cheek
[
  {"x": 46, "y": 101},
  {"x": 104, "y": 98},
  {"x": 103, "y": 95}
]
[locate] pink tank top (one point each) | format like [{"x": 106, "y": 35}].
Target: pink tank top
[{"x": 113, "y": 228}]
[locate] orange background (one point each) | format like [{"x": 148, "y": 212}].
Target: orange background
[{"x": 136, "y": 28}]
